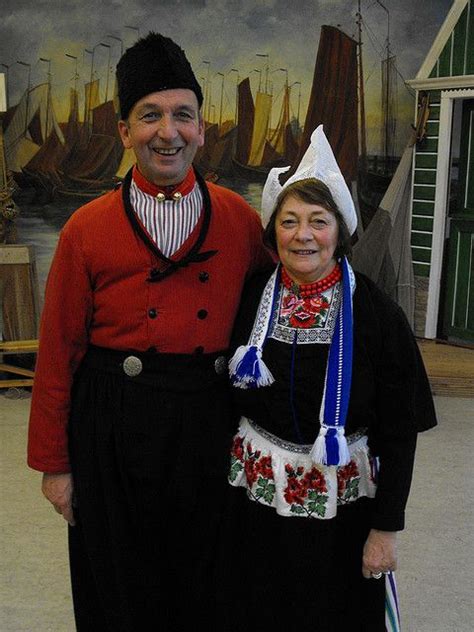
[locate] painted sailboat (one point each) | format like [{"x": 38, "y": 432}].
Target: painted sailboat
[
  {"x": 335, "y": 106},
  {"x": 91, "y": 167},
  {"x": 71, "y": 159},
  {"x": 32, "y": 123},
  {"x": 245, "y": 118},
  {"x": 8, "y": 207},
  {"x": 258, "y": 148}
]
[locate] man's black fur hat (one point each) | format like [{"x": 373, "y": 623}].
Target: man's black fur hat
[{"x": 152, "y": 64}]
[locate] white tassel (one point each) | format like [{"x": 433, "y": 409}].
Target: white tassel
[
  {"x": 318, "y": 451},
  {"x": 237, "y": 358},
  {"x": 344, "y": 454},
  {"x": 266, "y": 378}
]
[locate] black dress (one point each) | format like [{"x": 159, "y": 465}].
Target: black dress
[{"x": 289, "y": 573}]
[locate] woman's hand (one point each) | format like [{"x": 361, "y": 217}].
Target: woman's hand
[
  {"x": 58, "y": 490},
  {"x": 380, "y": 553}
]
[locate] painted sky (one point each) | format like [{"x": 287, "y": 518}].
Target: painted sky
[{"x": 227, "y": 33}]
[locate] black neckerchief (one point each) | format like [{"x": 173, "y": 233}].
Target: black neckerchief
[{"x": 193, "y": 256}]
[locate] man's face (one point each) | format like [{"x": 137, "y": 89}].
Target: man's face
[{"x": 164, "y": 129}]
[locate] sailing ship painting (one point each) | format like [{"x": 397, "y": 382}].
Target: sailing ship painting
[
  {"x": 71, "y": 158},
  {"x": 268, "y": 82}
]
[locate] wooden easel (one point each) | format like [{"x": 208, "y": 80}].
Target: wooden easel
[
  {"x": 17, "y": 347},
  {"x": 19, "y": 310}
]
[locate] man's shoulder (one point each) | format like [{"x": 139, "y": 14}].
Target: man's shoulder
[{"x": 94, "y": 212}]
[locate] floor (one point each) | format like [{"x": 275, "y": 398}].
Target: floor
[
  {"x": 450, "y": 368},
  {"x": 436, "y": 551}
]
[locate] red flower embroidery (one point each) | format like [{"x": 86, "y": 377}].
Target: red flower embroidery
[
  {"x": 302, "y": 319},
  {"x": 314, "y": 479},
  {"x": 250, "y": 471},
  {"x": 251, "y": 465},
  {"x": 264, "y": 467},
  {"x": 238, "y": 448},
  {"x": 295, "y": 491},
  {"x": 290, "y": 304},
  {"x": 291, "y": 471},
  {"x": 316, "y": 304},
  {"x": 344, "y": 475}
]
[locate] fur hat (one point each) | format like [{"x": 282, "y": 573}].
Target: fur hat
[{"x": 152, "y": 64}]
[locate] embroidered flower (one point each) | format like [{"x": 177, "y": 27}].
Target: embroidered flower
[
  {"x": 302, "y": 319},
  {"x": 250, "y": 465},
  {"x": 250, "y": 471},
  {"x": 237, "y": 457},
  {"x": 310, "y": 312},
  {"x": 238, "y": 448},
  {"x": 306, "y": 491},
  {"x": 264, "y": 467},
  {"x": 290, "y": 304},
  {"x": 295, "y": 491},
  {"x": 314, "y": 479},
  {"x": 289, "y": 469},
  {"x": 348, "y": 479},
  {"x": 316, "y": 304}
]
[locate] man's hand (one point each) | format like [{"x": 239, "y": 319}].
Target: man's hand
[
  {"x": 380, "y": 553},
  {"x": 58, "y": 490}
]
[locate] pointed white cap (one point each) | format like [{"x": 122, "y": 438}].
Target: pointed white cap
[{"x": 318, "y": 162}]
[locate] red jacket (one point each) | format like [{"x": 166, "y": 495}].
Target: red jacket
[{"x": 97, "y": 292}]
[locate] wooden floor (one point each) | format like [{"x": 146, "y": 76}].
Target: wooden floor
[{"x": 450, "y": 368}]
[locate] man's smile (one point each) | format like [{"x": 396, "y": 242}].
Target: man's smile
[{"x": 171, "y": 151}]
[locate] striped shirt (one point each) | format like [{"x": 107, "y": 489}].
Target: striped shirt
[{"x": 169, "y": 223}]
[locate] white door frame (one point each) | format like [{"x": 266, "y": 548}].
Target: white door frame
[{"x": 441, "y": 203}]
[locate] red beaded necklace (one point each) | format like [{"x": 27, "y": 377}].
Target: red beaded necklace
[{"x": 307, "y": 290}]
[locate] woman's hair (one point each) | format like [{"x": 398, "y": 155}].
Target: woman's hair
[{"x": 310, "y": 191}]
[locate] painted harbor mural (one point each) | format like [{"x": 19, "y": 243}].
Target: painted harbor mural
[{"x": 270, "y": 73}]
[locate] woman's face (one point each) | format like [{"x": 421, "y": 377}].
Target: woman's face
[{"x": 306, "y": 238}]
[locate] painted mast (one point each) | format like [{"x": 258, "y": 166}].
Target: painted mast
[
  {"x": 388, "y": 89},
  {"x": 8, "y": 208},
  {"x": 363, "y": 133}
]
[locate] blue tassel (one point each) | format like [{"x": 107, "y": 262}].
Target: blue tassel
[
  {"x": 248, "y": 366},
  {"x": 332, "y": 447},
  {"x": 247, "y": 369}
]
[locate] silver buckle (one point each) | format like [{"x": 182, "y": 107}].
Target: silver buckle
[
  {"x": 132, "y": 366},
  {"x": 220, "y": 365}
]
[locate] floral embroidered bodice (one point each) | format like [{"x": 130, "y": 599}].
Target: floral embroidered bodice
[
  {"x": 314, "y": 317},
  {"x": 310, "y": 309}
]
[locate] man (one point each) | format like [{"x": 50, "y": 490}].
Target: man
[{"x": 130, "y": 418}]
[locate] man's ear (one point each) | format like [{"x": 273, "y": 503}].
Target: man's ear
[
  {"x": 124, "y": 132},
  {"x": 201, "y": 129}
]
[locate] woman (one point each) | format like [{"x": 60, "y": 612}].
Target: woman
[{"x": 329, "y": 384}]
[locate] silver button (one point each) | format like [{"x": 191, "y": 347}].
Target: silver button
[
  {"x": 220, "y": 365},
  {"x": 132, "y": 366}
]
